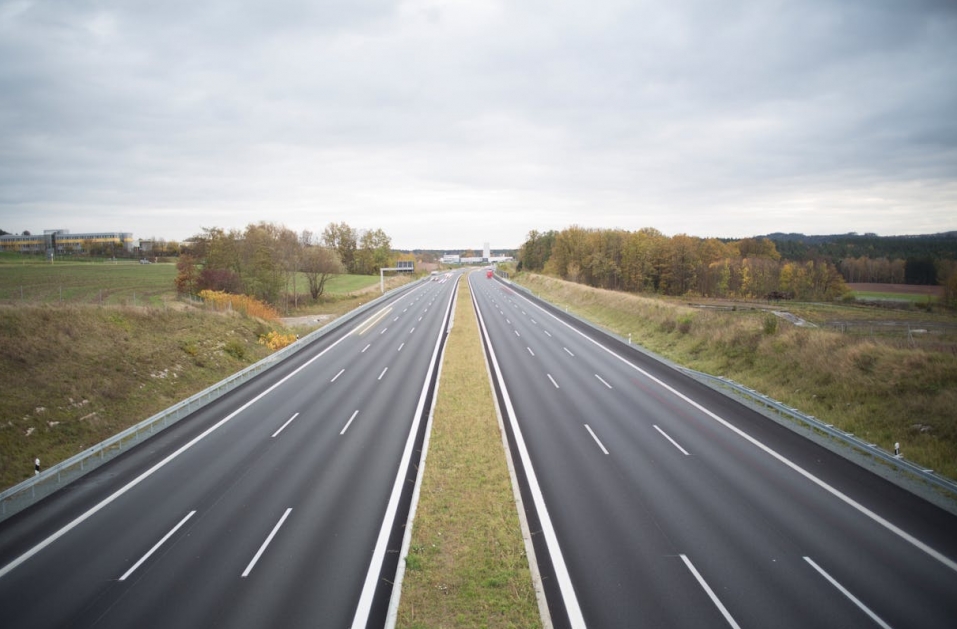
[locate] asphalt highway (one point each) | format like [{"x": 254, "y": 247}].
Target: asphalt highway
[
  {"x": 655, "y": 501},
  {"x": 275, "y": 506}
]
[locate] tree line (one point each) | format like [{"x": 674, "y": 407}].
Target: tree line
[
  {"x": 264, "y": 259},
  {"x": 648, "y": 261}
]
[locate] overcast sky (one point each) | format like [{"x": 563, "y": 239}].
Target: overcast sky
[{"x": 449, "y": 124}]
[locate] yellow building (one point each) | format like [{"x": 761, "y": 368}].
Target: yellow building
[{"x": 61, "y": 241}]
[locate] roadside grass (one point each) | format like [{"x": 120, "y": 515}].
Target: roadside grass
[
  {"x": 73, "y": 375},
  {"x": 466, "y": 565},
  {"x": 883, "y": 388}
]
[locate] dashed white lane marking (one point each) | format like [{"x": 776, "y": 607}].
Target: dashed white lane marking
[
  {"x": 597, "y": 440},
  {"x": 156, "y": 546},
  {"x": 569, "y": 352},
  {"x": 553, "y": 380},
  {"x": 365, "y": 348},
  {"x": 336, "y": 377},
  {"x": 602, "y": 380},
  {"x": 714, "y": 599},
  {"x": 262, "y": 548},
  {"x": 281, "y": 428},
  {"x": 348, "y": 423},
  {"x": 382, "y": 374},
  {"x": 530, "y": 351},
  {"x": 517, "y": 333},
  {"x": 547, "y": 333},
  {"x": 864, "y": 608},
  {"x": 400, "y": 347},
  {"x": 673, "y": 442}
]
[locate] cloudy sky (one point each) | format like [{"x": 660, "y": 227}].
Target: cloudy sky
[{"x": 452, "y": 123}]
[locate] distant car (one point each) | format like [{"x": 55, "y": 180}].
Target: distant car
[
  {"x": 144, "y": 261},
  {"x": 488, "y": 273}
]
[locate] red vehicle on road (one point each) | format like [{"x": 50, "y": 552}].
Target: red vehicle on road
[{"x": 488, "y": 273}]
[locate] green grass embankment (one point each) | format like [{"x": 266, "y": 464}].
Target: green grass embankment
[
  {"x": 71, "y": 376},
  {"x": 467, "y": 565},
  {"x": 882, "y": 388}
]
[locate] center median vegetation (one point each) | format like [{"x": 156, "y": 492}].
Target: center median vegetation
[{"x": 466, "y": 565}]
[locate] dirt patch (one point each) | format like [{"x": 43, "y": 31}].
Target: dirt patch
[{"x": 309, "y": 321}]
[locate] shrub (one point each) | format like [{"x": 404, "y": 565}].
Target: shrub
[
  {"x": 235, "y": 349},
  {"x": 770, "y": 324},
  {"x": 684, "y": 324},
  {"x": 249, "y": 306},
  {"x": 274, "y": 340}
]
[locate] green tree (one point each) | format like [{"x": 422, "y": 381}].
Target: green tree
[{"x": 344, "y": 240}]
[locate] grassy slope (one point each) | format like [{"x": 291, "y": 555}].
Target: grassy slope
[
  {"x": 70, "y": 376},
  {"x": 883, "y": 389},
  {"x": 467, "y": 565}
]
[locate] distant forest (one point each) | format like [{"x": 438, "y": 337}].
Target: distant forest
[{"x": 773, "y": 266}]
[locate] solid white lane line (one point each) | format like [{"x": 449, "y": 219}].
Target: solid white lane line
[
  {"x": 288, "y": 421},
  {"x": 348, "y": 423},
  {"x": 530, "y": 351},
  {"x": 382, "y": 374},
  {"x": 156, "y": 546},
  {"x": 365, "y": 348},
  {"x": 139, "y": 479},
  {"x": 262, "y": 548},
  {"x": 673, "y": 442},
  {"x": 570, "y": 599},
  {"x": 335, "y": 377},
  {"x": 553, "y": 380},
  {"x": 602, "y": 380},
  {"x": 401, "y": 345},
  {"x": 569, "y": 352},
  {"x": 874, "y": 517},
  {"x": 364, "y": 607},
  {"x": 864, "y": 608},
  {"x": 710, "y": 592},
  {"x": 597, "y": 440}
]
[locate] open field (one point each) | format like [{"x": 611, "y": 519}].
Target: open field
[
  {"x": 124, "y": 282},
  {"x": 467, "y": 565},
  {"x": 886, "y": 382},
  {"x": 897, "y": 292},
  {"x": 31, "y": 280}
]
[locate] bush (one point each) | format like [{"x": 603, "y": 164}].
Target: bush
[
  {"x": 274, "y": 340},
  {"x": 684, "y": 324},
  {"x": 236, "y": 349},
  {"x": 770, "y": 324}
]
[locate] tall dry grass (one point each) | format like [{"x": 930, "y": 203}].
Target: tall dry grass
[{"x": 880, "y": 389}]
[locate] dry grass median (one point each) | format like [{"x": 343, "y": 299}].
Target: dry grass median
[{"x": 466, "y": 565}]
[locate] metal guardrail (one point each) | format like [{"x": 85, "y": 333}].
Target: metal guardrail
[
  {"x": 718, "y": 382},
  {"x": 26, "y": 493},
  {"x": 897, "y": 460}
]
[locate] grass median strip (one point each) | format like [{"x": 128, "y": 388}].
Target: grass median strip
[{"x": 466, "y": 565}]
